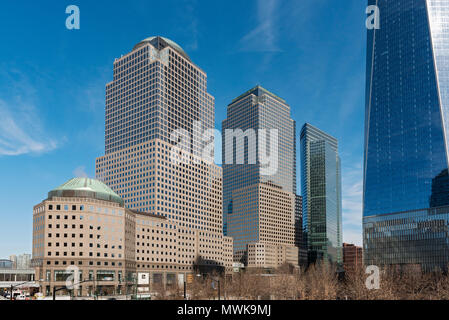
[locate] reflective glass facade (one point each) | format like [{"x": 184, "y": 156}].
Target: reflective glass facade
[
  {"x": 5, "y": 264},
  {"x": 321, "y": 192},
  {"x": 405, "y": 172}
]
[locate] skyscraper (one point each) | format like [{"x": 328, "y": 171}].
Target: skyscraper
[
  {"x": 405, "y": 203},
  {"x": 254, "y": 110},
  {"x": 259, "y": 196},
  {"x": 24, "y": 261},
  {"x": 13, "y": 259},
  {"x": 321, "y": 192},
  {"x": 157, "y": 91},
  {"x": 299, "y": 232}
]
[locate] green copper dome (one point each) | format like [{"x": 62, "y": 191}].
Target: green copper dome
[
  {"x": 160, "y": 43},
  {"x": 85, "y": 188}
]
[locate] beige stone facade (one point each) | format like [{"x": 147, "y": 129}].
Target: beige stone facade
[
  {"x": 114, "y": 249},
  {"x": 92, "y": 236},
  {"x": 188, "y": 195},
  {"x": 266, "y": 255},
  {"x": 228, "y": 253},
  {"x": 263, "y": 226},
  {"x": 156, "y": 92}
]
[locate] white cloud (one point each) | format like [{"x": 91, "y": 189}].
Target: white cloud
[
  {"x": 80, "y": 172},
  {"x": 352, "y": 193},
  {"x": 191, "y": 26},
  {"x": 263, "y": 36},
  {"x": 353, "y": 236},
  {"x": 20, "y": 130}
]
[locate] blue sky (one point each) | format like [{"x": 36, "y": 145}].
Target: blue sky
[{"x": 52, "y": 81}]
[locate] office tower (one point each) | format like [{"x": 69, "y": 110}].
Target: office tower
[
  {"x": 252, "y": 111},
  {"x": 321, "y": 192},
  {"x": 262, "y": 212},
  {"x": 298, "y": 221},
  {"x": 352, "y": 257},
  {"x": 157, "y": 91},
  {"x": 24, "y": 261},
  {"x": 259, "y": 174},
  {"x": 299, "y": 233},
  {"x": 405, "y": 202}
]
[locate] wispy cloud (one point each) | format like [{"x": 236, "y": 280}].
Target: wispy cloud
[
  {"x": 263, "y": 37},
  {"x": 352, "y": 191},
  {"x": 192, "y": 25},
  {"x": 80, "y": 172},
  {"x": 21, "y": 126},
  {"x": 20, "y": 130}
]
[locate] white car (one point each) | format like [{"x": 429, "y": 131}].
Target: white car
[{"x": 21, "y": 297}]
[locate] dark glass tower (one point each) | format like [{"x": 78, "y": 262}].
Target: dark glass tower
[
  {"x": 321, "y": 192},
  {"x": 405, "y": 205}
]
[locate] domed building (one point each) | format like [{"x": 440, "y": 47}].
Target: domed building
[
  {"x": 85, "y": 188},
  {"x": 83, "y": 225},
  {"x": 160, "y": 43}
]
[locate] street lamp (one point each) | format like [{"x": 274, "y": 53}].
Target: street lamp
[
  {"x": 62, "y": 288},
  {"x": 218, "y": 283}
]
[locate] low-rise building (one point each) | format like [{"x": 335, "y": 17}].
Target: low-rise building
[
  {"x": 83, "y": 230},
  {"x": 352, "y": 257}
]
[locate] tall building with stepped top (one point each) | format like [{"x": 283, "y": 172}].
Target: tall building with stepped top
[{"x": 158, "y": 90}]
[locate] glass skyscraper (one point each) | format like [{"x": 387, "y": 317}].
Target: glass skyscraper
[
  {"x": 321, "y": 193},
  {"x": 256, "y": 109},
  {"x": 406, "y": 202}
]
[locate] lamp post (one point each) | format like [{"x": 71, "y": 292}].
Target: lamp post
[
  {"x": 218, "y": 283},
  {"x": 135, "y": 284},
  {"x": 62, "y": 288},
  {"x": 219, "y": 295}
]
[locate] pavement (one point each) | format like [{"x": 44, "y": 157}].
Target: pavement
[{"x": 3, "y": 298}]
